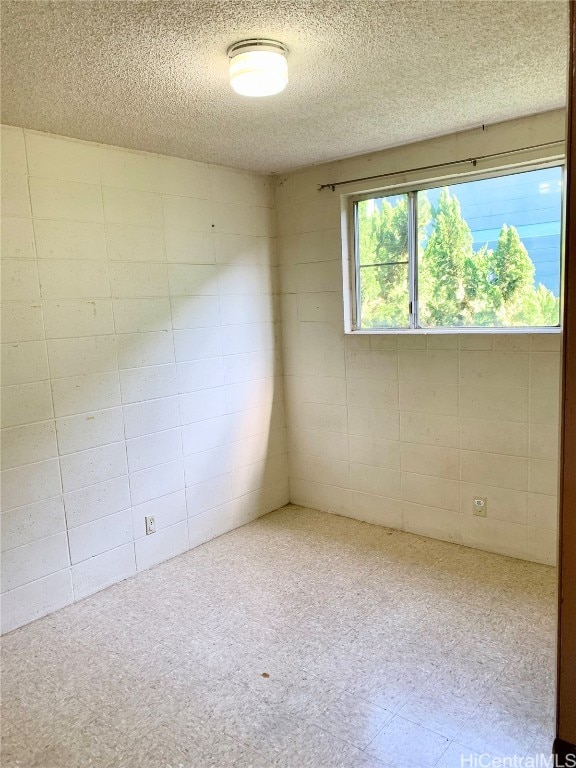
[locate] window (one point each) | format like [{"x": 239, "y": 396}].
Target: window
[{"x": 484, "y": 253}]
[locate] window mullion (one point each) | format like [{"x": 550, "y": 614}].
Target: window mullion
[{"x": 413, "y": 258}]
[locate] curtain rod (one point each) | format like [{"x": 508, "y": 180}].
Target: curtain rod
[{"x": 472, "y": 160}]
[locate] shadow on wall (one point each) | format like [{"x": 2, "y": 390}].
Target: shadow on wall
[{"x": 141, "y": 364}]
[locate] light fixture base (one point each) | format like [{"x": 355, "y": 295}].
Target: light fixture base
[{"x": 256, "y": 44}]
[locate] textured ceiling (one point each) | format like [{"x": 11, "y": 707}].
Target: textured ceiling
[{"x": 364, "y": 74}]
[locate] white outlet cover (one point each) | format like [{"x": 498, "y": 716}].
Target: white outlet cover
[
  {"x": 150, "y": 523},
  {"x": 480, "y": 505}
]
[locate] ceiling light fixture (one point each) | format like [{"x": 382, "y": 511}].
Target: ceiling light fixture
[{"x": 258, "y": 67}]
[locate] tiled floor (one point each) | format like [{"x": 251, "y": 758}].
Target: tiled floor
[{"x": 301, "y": 640}]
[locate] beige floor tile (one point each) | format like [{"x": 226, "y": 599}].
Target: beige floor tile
[
  {"x": 14, "y": 751},
  {"x": 42, "y": 638},
  {"x": 75, "y": 669},
  {"x": 541, "y": 747},
  {"x": 128, "y": 702},
  {"x": 531, "y": 671},
  {"x": 39, "y": 722},
  {"x": 158, "y": 750},
  {"x": 312, "y": 746},
  {"x": 10, "y": 662},
  {"x": 303, "y": 639},
  {"x": 22, "y": 687},
  {"x": 497, "y": 731},
  {"x": 133, "y": 652},
  {"x": 33, "y": 703},
  {"x": 351, "y": 719},
  {"x": 96, "y": 744},
  {"x": 453, "y": 690},
  {"x": 183, "y": 739},
  {"x": 441, "y": 711},
  {"x": 457, "y": 756},
  {"x": 375, "y": 678},
  {"x": 533, "y": 707},
  {"x": 264, "y": 729},
  {"x": 277, "y": 682},
  {"x": 403, "y": 741}
]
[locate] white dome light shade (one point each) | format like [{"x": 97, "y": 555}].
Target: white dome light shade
[{"x": 258, "y": 67}]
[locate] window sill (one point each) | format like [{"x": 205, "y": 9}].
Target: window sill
[{"x": 449, "y": 331}]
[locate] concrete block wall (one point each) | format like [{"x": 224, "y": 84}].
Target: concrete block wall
[{"x": 141, "y": 370}]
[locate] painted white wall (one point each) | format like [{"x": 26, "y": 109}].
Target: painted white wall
[
  {"x": 401, "y": 430},
  {"x": 142, "y": 371},
  {"x": 141, "y": 365}
]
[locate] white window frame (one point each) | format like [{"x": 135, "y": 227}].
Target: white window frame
[{"x": 351, "y": 266}]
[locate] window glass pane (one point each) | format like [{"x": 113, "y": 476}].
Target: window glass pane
[
  {"x": 489, "y": 252},
  {"x": 382, "y": 252}
]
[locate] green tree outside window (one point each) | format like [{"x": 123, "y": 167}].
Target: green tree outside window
[{"x": 457, "y": 286}]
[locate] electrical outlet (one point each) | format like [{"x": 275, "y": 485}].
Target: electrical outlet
[
  {"x": 150, "y": 524},
  {"x": 480, "y": 505}
]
